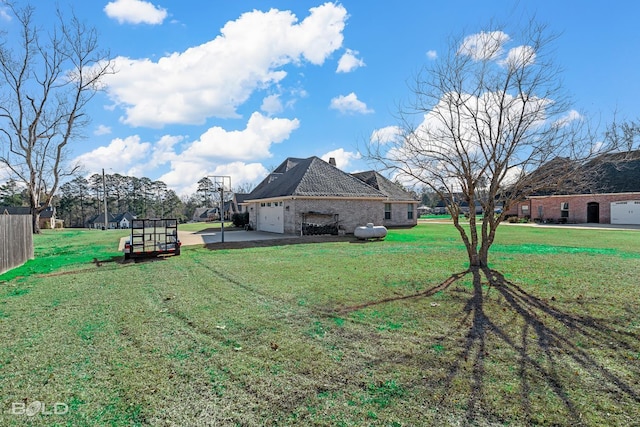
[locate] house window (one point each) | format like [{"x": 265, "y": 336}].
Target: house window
[
  {"x": 525, "y": 210},
  {"x": 564, "y": 210},
  {"x": 387, "y": 211},
  {"x": 410, "y": 211}
]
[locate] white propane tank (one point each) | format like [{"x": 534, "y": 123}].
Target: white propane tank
[{"x": 370, "y": 232}]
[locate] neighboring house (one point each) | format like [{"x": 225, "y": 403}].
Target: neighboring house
[
  {"x": 400, "y": 206},
  {"x": 227, "y": 208},
  {"x": 609, "y": 208},
  {"x": 213, "y": 214},
  {"x": 302, "y": 196},
  {"x": 97, "y": 221},
  {"x": 205, "y": 214},
  {"x": 121, "y": 220},
  {"x": 13, "y": 210},
  {"x": 424, "y": 210},
  {"x": 611, "y": 195},
  {"x": 47, "y": 217},
  {"x": 237, "y": 202}
]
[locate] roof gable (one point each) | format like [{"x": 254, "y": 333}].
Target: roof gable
[
  {"x": 124, "y": 215},
  {"x": 389, "y": 188},
  {"x": 240, "y": 197},
  {"x": 99, "y": 218}
]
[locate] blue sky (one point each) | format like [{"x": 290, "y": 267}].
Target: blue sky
[{"x": 228, "y": 87}]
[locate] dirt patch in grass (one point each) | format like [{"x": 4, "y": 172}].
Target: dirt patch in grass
[{"x": 286, "y": 241}]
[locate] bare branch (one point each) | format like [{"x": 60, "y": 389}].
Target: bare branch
[
  {"x": 490, "y": 123},
  {"x": 45, "y": 86}
]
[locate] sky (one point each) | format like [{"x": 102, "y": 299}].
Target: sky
[{"x": 233, "y": 88}]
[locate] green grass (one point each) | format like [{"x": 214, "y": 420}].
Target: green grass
[{"x": 328, "y": 334}]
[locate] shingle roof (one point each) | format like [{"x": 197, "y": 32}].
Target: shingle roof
[
  {"x": 389, "y": 188},
  {"x": 128, "y": 215},
  {"x": 311, "y": 177},
  {"x": 616, "y": 173},
  {"x": 99, "y": 218},
  {"x": 14, "y": 210},
  {"x": 608, "y": 173},
  {"x": 241, "y": 197}
]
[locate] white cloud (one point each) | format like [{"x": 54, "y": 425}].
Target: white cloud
[
  {"x": 349, "y": 62},
  {"x": 432, "y": 54},
  {"x": 135, "y": 12},
  {"x": 519, "y": 57},
  {"x": 253, "y": 142},
  {"x": 349, "y": 104},
  {"x": 343, "y": 158},
  {"x": 213, "y": 79},
  {"x": 272, "y": 105},
  {"x": 4, "y": 15},
  {"x": 184, "y": 175},
  {"x": 222, "y": 152},
  {"x": 102, "y": 130},
  {"x": 484, "y": 45},
  {"x": 386, "y": 135},
  {"x": 571, "y": 116},
  {"x": 478, "y": 114},
  {"x": 119, "y": 155},
  {"x": 216, "y": 152},
  {"x": 5, "y": 173}
]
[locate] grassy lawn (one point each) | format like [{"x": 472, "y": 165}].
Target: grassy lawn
[{"x": 388, "y": 333}]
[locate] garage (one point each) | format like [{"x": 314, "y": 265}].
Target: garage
[
  {"x": 271, "y": 217},
  {"x": 626, "y": 212}
]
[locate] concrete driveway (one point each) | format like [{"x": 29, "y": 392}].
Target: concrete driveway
[
  {"x": 206, "y": 237},
  {"x": 196, "y": 238}
]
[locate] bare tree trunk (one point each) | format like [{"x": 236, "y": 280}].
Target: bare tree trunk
[
  {"x": 64, "y": 67},
  {"x": 35, "y": 218}
]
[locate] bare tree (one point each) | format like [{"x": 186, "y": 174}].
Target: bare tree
[
  {"x": 485, "y": 116},
  {"x": 46, "y": 81}
]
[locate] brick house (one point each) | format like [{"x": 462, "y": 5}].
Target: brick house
[
  {"x": 311, "y": 196},
  {"x": 613, "y": 196},
  {"x": 583, "y": 208}
]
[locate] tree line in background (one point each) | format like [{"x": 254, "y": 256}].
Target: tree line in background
[{"x": 82, "y": 199}]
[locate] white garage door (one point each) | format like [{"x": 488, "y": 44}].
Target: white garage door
[
  {"x": 627, "y": 212},
  {"x": 271, "y": 217}
]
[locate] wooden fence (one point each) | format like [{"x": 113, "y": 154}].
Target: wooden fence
[{"x": 16, "y": 241}]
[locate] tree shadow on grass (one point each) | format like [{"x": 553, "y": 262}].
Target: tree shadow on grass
[{"x": 554, "y": 353}]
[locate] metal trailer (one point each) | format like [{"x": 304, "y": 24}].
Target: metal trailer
[{"x": 152, "y": 238}]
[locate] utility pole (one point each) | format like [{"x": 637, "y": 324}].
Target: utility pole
[{"x": 104, "y": 194}]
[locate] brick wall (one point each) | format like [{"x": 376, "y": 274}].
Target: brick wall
[
  {"x": 352, "y": 213},
  {"x": 399, "y": 215},
  {"x": 549, "y": 207}
]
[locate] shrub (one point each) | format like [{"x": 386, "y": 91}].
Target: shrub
[{"x": 240, "y": 219}]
